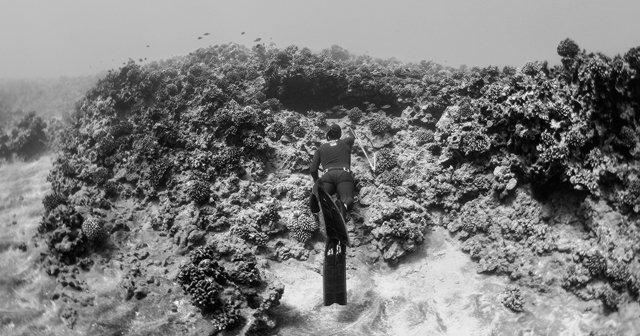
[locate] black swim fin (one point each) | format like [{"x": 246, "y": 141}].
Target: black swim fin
[{"x": 335, "y": 273}]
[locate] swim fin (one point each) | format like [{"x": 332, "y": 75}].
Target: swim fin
[{"x": 335, "y": 273}]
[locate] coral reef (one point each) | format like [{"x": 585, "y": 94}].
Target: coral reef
[
  {"x": 28, "y": 138},
  {"x": 62, "y": 232},
  {"x": 216, "y": 146}
]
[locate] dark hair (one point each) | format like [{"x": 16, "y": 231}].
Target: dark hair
[{"x": 334, "y": 132}]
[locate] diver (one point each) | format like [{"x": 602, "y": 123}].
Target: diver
[{"x": 335, "y": 156}]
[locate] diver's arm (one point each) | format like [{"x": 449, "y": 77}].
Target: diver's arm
[{"x": 315, "y": 164}]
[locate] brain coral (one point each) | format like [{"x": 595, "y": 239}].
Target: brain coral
[{"x": 303, "y": 227}]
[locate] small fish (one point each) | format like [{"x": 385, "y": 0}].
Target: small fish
[
  {"x": 199, "y": 37},
  {"x": 205, "y": 34},
  {"x": 242, "y": 33},
  {"x": 145, "y": 58},
  {"x": 140, "y": 60},
  {"x": 147, "y": 46},
  {"x": 257, "y": 40},
  {"x": 386, "y": 107}
]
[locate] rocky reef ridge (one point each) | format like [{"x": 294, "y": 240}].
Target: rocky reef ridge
[{"x": 210, "y": 154}]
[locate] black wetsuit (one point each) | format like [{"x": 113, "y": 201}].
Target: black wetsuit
[{"x": 335, "y": 157}]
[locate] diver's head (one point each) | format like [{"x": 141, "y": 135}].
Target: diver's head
[{"x": 334, "y": 132}]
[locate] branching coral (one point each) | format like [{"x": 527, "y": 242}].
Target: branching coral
[
  {"x": 272, "y": 103},
  {"x": 227, "y": 158},
  {"x": 398, "y": 228},
  {"x": 464, "y": 112},
  {"x": 475, "y": 143},
  {"x": 424, "y": 136},
  {"x": 100, "y": 175},
  {"x": 52, "y": 201},
  {"x": 576, "y": 276},
  {"x": 619, "y": 275},
  {"x": 62, "y": 230},
  {"x": 320, "y": 118},
  {"x": 250, "y": 232},
  {"x": 513, "y": 299},
  {"x": 275, "y": 130},
  {"x": 29, "y": 137},
  {"x": 531, "y": 68},
  {"x": 632, "y": 195},
  {"x": 292, "y": 126},
  {"x": 568, "y": 48},
  {"x": 627, "y": 137},
  {"x": 391, "y": 178},
  {"x": 198, "y": 191},
  {"x": 611, "y": 298},
  {"x": 111, "y": 188},
  {"x": 205, "y": 280},
  {"x": 355, "y": 114},
  {"x": 595, "y": 263},
  {"x": 379, "y": 125},
  {"x": 386, "y": 159},
  {"x": 270, "y": 216},
  {"x": 264, "y": 320},
  {"x": 633, "y": 58},
  {"x": 223, "y": 290}
]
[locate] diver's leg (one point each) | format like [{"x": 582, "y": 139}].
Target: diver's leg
[
  {"x": 345, "y": 193},
  {"x": 329, "y": 187}
]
